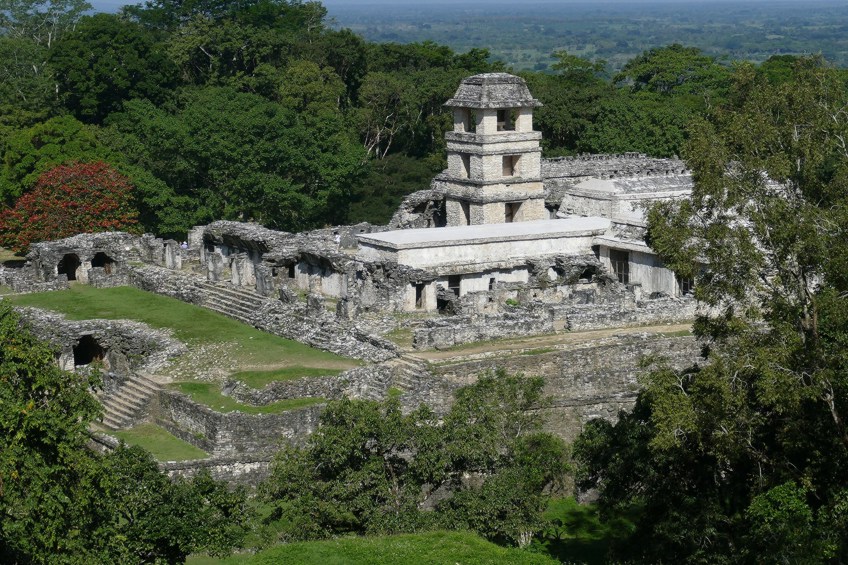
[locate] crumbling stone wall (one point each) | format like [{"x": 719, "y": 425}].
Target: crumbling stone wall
[
  {"x": 128, "y": 346},
  {"x": 233, "y": 433},
  {"x": 586, "y": 380}
]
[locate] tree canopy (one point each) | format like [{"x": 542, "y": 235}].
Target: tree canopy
[
  {"x": 60, "y": 502},
  {"x": 738, "y": 459},
  {"x": 371, "y": 469}
]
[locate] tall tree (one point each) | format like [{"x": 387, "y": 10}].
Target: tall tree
[
  {"x": 107, "y": 60},
  {"x": 748, "y": 448},
  {"x": 371, "y": 469},
  {"x": 67, "y": 200}
]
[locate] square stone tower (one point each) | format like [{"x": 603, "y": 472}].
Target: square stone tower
[{"x": 494, "y": 157}]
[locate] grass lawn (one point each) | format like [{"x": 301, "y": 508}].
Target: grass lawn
[
  {"x": 9, "y": 255},
  {"x": 163, "y": 445},
  {"x": 245, "y": 346},
  {"x": 258, "y": 379},
  {"x": 432, "y": 548},
  {"x": 210, "y": 395},
  {"x": 581, "y": 536}
]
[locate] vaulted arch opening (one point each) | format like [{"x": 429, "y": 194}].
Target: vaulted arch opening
[
  {"x": 69, "y": 265},
  {"x": 87, "y": 351}
]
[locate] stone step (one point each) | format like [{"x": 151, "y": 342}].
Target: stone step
[
  {"x": 231, "y": 308},
  {"x": 122, "y": 407},
  {"x": 237, "y": 304},
  {"x": 234, "y": 295}
]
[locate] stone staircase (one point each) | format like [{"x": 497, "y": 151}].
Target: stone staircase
[
  {"x": 233, "y": 302},
  {"x": 123, "y": 407},
  {"x": 407, "y": 372}
]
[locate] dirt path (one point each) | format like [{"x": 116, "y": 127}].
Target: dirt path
[{"x": 541, "y": 341}]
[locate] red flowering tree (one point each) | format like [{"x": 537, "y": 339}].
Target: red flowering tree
[{"x": 67, "y": 200}]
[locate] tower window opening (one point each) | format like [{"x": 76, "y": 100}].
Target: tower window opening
[
  {"x": 466, "y": 165},
  {"x": 506, "y": 119},
  {"x": 510, "y": 165}
]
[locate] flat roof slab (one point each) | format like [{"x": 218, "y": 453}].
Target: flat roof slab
[{"x": 487, "y": 233}]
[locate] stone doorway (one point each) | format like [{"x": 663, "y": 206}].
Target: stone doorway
[
  {"x": 102, "y": 260},
  {"x": 88, "y": 351},
  {"x": 69, "y": 265}
]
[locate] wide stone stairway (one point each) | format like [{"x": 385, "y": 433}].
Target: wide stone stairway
[
  {"x": 232, "y": 302},
  {"x": 126, "y": 406}
]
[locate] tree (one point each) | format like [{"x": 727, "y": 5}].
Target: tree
[
  {"x": 748, "y": 448},
  {"x": 67, "y": 200},
  {"x": 44, "y": 413},
  {"x": 371, "y": 469},
  {"x": 572, "y": 99},
  {"x": 106, "y": 60},
  {"x": 61, "y": 502}
]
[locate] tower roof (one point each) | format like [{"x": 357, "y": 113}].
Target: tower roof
[{"x": 492, "y": 90}]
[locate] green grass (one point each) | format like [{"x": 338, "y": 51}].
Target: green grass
[
  {"x": 191, "y": 324},
  {"x": 402, "y": 337},
  {"x": 5, "y": 289},
  {"x": 411, "y": 549},
  {"x": 160, "y": 443},
  {"x": 258, "y": 379},
  {"x": 209, "y": 394},
  {"x": 9, "y": 255},
  {"x": 577, "y": 534}
]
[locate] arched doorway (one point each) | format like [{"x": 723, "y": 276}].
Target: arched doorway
[
  {"x": 69, "y": 265},
  {"x": 87, "y": 351},
  {"x": 102, "y": 260}
]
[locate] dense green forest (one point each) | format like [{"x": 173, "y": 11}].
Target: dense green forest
[
  {"x": 259, "y": 111},
  {"x": 178, "y": 113},
  {"x": 525, "y": 37}
]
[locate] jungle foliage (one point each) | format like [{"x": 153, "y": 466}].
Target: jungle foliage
[
  {"x": 60, "y": 502},
  {"x": 739, "y": 459},
  {"x": 260, "y": 111},
  {"x": 369, "y": 469}
]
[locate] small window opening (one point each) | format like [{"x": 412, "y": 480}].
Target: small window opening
[
  {"x": 510, "y": 165},
  {"x": 87, "y": 351},
  {"x": 506, "y": 120},
  {"x": 620, "y": 261},
  {"x": 466, "y": 165},
  {"x": 492, "y": 283},
  {"x": 453, "y": 283},
  {"x": 419, "y": 296},
  {"x": 511, "y": 211},
  {"x": 68, "y": 265},
  {"x": 468, "y": 122},
  {"x": 686, "y": 284},
  {"x": 102, "y": 260},
  {"x": 291, "y": 271},
  {"x": 466, "y": 212},
  {"x": 210, "y": 248}
]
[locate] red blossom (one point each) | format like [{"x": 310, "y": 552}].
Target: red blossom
[{"x": 67, "y": 200}]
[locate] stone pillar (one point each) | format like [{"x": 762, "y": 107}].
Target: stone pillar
[
  {"x": 173, "y": 257},
  {"x": 264, "y": 280},
  {"x": 214, "y": 267}
]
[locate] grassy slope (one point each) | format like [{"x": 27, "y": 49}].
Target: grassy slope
[
  {"x": 210, "y": 395},
  {"x": 258, "y": 379},
  {"x": 450, "y": 548},
  {"x": 161, "y": 444},
  {"x": 190, "y": 324}
]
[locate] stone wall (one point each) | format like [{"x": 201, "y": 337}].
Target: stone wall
[
  {"x": 248, "y": 471},
  {"x": 592, "y": 379},
  {"x": 232, "y": 433},
  {"x": 606, "y": 165},
  {"x": 127, "y": 345}
]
